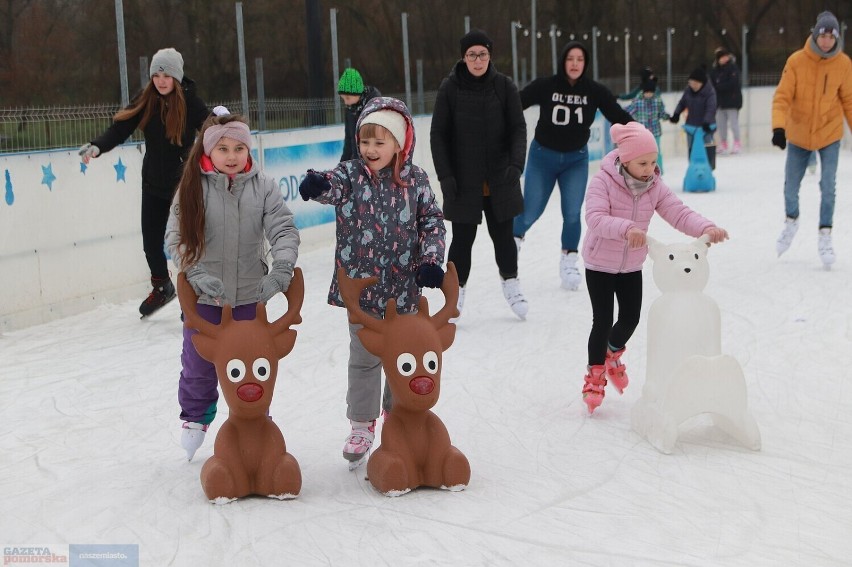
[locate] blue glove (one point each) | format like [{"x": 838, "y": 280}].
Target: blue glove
[
  {"x": 429, "y": 275},
  {"x": 313, "y": 185},
  {"x": 277, "y": 280},
  {"x": 204, "y": 283}
]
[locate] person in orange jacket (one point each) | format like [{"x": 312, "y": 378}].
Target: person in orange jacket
[{"x": 814, "y": 95}]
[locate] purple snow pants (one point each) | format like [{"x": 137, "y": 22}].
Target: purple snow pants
[{"x": 197, "y": 389}]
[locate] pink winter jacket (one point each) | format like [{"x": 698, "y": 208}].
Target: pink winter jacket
[{"x": 611, "y": 209}]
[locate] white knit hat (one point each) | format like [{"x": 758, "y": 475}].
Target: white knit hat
[
  {"x": 390, "y": 119},
  {"x": 168, "y": 61}
]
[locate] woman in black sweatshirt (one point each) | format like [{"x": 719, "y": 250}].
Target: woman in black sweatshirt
[{"x": 568, "y": 102}]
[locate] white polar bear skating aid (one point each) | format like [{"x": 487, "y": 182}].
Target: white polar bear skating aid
[{"x": 687, "y": 374}]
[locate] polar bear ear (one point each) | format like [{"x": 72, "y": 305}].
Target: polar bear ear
[
  {"x": 704, "y": 239},
  {"x": 655, "y": 248}
]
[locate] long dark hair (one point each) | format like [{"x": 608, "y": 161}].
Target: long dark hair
[
  {"x": 172, "y": 110},
  {"x": 190, "y": 199}
]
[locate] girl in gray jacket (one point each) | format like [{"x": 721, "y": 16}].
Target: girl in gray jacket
[{"x": 224, "y": 211}]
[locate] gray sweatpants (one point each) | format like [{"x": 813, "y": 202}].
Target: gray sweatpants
[
  {"x": 365, "y": 381},
  {"x": 724, "y": 117}
]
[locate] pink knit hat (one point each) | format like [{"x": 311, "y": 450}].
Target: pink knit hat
[{"x": 633, "y": 140}]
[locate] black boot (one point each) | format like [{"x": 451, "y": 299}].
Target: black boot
[{"x": 163, "y": 292}]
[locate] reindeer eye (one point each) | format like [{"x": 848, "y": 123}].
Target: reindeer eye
[
  {"x": 262, "y": 369},
  {"x": 236, "y": 369},
  {"x": 430, "y": 361},
  {"x": 406, "y": 364}
]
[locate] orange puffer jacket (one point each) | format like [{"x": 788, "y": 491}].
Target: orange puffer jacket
[{"x": 814, "y": 95}]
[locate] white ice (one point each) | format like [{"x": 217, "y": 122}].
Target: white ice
[{"x": 90, "y": 453}]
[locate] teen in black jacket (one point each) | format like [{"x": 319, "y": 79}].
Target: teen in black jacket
[{"x": 169, "y": 113}]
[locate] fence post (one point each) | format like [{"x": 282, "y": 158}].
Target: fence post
[{"x": 261, "y": 97}]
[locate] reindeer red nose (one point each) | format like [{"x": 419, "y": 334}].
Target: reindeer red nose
[
  {"x": 250, "y": 392},
  {"x": 422, "y": 385}
]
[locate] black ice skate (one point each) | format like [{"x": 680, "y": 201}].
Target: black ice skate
[{"x": 163, "y": 292}]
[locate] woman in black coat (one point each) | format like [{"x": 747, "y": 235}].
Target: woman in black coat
[
  {"x": 479, "y": 143},
  {"x": 170, "y": 113}
]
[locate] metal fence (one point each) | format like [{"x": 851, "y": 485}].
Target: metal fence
[
  {"x": 48, "y": 128},
  {"x": 34, "y": 129}
]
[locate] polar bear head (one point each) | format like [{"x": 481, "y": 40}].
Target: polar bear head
[{"x": 680, "y": 267}]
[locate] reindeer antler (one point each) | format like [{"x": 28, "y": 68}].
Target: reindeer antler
[
  {"x": 295, "y": 298},
  {"x": 188, "y": 300},
  {"x": 350, "y": 290},
  {"x": 450, "y": 287}
]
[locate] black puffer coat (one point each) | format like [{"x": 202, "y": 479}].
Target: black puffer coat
[
  {"x": 163, "y": 161},
  {"x": 726, "y": 81},
  {"x": 478, "y": 134}
]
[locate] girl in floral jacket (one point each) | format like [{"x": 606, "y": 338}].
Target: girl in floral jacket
[{"x": 388, "y": 226}]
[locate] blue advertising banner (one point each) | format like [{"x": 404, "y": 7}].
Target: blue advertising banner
[{"x": 288, "y": 165}]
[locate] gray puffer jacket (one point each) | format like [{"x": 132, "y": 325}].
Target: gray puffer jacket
[{"x": 240, "y": 214}]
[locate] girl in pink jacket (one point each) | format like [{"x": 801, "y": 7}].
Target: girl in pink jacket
[{"x": 620, "y": 202}]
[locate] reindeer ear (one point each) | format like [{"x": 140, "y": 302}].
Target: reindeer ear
[
  {"x": 372, "y": 341},
  {"x": 206, "y": 346},
  {"x": 447, "y": 334},
  {"x": 284, "y": 343}
]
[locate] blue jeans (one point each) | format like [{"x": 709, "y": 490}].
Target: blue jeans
[
  {"x": 544, "y": 169},
  {"x": 794, "y": 171}
]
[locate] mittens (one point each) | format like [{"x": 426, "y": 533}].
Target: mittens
[
  {"x": 513, "y": 175},
  {"x": 779, "y": 138},
  {"x": 707, "y": 127},
  {"x": 88, "y": 151},
  {"x": 449, "y": 187},
  {"x": 277, "y": 280},
  {"x": 429, "y": 275},
  {"x": 204, "y": 283},
  {"x": 313, "y": 185},
  {"x": 674, "y": 118}
]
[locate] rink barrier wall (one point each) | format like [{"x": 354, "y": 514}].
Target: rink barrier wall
[{"x": 70, "y": 237}]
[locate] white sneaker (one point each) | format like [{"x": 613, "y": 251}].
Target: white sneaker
[
  {"x": 826, "y": 250},
  {"x": 568, "y": 271},
  {"x": 518, "y": 242},
  {"x": 359, "y": 441},
  {"x": 786, "y": 238},
  {"x": 459, "y": 305},
  {"x": 192, "y": 436},
  {"x": 514, "y": 297}
]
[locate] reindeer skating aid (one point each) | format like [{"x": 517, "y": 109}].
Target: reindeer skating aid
[
  {"x": 249, "y": 455},
  {"x": 415, "y": 448}
]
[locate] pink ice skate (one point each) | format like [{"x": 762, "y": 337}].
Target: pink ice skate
[
  {"x": 615, "y": 370},
  {"x": 593, "y": 391}
]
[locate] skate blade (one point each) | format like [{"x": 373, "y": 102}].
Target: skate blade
[{"x": 356, "y": 464}]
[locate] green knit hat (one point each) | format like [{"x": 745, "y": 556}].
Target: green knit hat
[{"x": 350, "y": 82}]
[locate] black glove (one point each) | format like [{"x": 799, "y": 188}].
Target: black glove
[
  {"x": 707, "y": 127},
  {"x": 429, "y": 275},
  {"x": 449, "y": 188},
  {"x": 513, "y": 175},
  {"x": 778, "y": 138},
  {"x": 674, "y": 118},
  {"x": 313, "y": 185}
]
